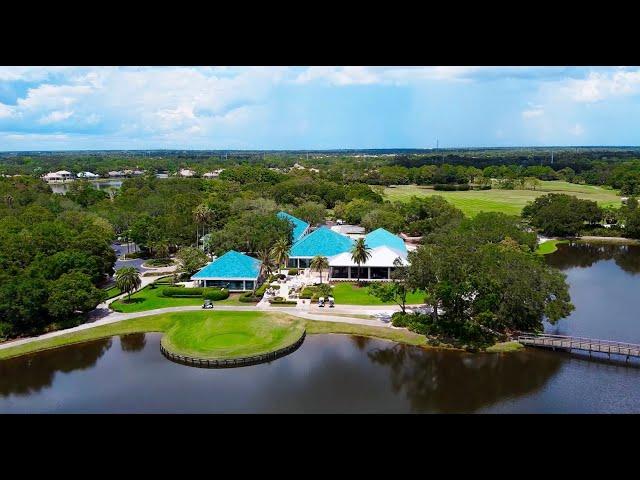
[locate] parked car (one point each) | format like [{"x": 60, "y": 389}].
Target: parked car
[{"x": 207, "y": 304}]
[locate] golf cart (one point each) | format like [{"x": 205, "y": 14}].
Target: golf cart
[
  {"x": 207, "y": 304},
  {"x": 331, "y": 302},
  {"x": 321, "y": 302}
]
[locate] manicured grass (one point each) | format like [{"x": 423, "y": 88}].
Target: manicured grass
[
  {"x": 347, "y": 315},
  {"x": 505, "y": 347},
  {"x": 112, "y": 292},
  {"x": 510, "y": 202},
  {"x": 550, "y": 246},
  {"x": 347, "y": 293},
  {"x": 223, "y": 335},
  {"x": 151, "y": 298}
]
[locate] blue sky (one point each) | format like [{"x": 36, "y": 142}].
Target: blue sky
[{"x": 62, "y": 108}]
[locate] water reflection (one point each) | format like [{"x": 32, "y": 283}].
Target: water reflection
[
  {"x": 133, "y": 342},
  {"x": 31, "y": 373},
  {"x": 441, "y": 381},
  {"x": 584, "y": 255}
]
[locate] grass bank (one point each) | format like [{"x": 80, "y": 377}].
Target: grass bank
[
  {"x": 227, "y": 333},
  {"x": 550, "y": 246},
  {"x": 510, "y": 202}
]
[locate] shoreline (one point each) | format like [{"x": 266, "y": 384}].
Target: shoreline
[{"x": 620, "y": 240}]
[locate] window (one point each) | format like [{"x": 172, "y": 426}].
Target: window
[
  {"x": 379, "y": 273},
  {"x": 364, "y": 272},
  {"x": 339, "y": 272}
]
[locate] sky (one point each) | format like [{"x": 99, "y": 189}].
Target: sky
[{"x": 299, "y": 108}]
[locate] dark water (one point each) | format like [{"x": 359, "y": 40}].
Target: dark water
[{"x": 351, "y": 374}]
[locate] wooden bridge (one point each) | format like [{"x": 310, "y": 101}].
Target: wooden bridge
[{"x": 560, "y": 342}]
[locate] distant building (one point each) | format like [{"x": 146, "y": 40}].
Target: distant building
[
  {"x": 87, "y": 175},
  {"x": 59, "y": 176},
  {"x": 116, "y": 173},
  {"x": 213, "y": 173},
  {"x": 185, "y": 172}
]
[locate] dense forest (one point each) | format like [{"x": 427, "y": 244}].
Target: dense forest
[{"x": 618, "y": 168}]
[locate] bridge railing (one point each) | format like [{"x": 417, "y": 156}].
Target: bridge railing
[{"x": 579, "y": 342}]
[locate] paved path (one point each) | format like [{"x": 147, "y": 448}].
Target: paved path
[{"x": 104, "y": 316}]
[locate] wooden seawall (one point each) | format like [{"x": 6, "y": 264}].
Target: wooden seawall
[{"x": 560, "y": 342}]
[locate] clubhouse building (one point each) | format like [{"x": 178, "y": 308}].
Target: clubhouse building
[{"x": 239, "y": 272}]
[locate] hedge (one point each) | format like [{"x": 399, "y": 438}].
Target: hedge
[
  {"x": 208, "y": 293},
  {"x": 182, "y": 292},
  {"x": 293, "y": 271},
  {"x": 215, "y": 294},
  {"x": 449, "y": 187},
  {"x": 248, "y": 298}
]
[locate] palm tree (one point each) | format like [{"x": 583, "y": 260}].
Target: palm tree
[
  {"x": 128, "y": 280},
  {"x": 280, "y": 252},
  {"x": 319, "y": 263},
  {"x": 360, "y": 253},
  {"x": 266, "y": 266},
  {"x": 202, "y": 215}
]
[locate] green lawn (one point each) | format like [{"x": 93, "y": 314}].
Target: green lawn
[
  {"x": 224, "y": 335},
  {"x": 510, "y": 202},
  {"x": 348, "y": 293},
  {"x": 151, "y": 298},
  {"x": 549, "y": 246}
]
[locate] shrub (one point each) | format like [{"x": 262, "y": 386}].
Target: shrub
[
  {"x": 278, "y": 301},
  {"x": 182, "y": 292},
  {"x": 5, "y": 330},
  {"x": 215, "y": 294},
  {"x": 249, "y": 298},
  {"x": 399, "y": 319},
  {"x": 159, "y": 262},
  {"x": 308, "y": 292},
  {"x": 293, "y": 271},
  {"x": 275, "y": 287},
  {"x": 323, "y": 290}
]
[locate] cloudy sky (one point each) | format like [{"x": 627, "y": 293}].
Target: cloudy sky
[{"x": 53, "y": 108}]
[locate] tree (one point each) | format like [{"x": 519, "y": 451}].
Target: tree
[
  {"x": 191, "y": 259},
  {"x": 266, "y": 266},
  {"x": 360, "y": 253},
  {"x": 73, "y": 293},
  {"x": 202, "y": 215},
  {"x": 311, "y": 212},
  {"x": 480, "y": 289},
  {"x": 396, "y": 290},
  {"x": 557, "y": 214},
  {"x": 280, "y": 252},
  {"x": 128, "y": 280},
  {"x": 319, "y": 263}
]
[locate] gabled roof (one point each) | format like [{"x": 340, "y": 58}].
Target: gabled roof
[
  {"x": 380, "y": 257},
  {"x": 232, "y": 265},
  {"x": 323, "y": 241},
  {"x": 382, "y": 237},
  {"x": 299, "y": 226}
]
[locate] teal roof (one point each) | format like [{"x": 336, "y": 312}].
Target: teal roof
[
  {"x": 382, "y": 237},
  {"x": 323, "y": 241},
  {"x": 299, "y": 226},
  {"x": 232, "y": 265}
]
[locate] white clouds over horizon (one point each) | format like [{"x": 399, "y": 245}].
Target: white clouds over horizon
[{"x": 314, "y": 107}]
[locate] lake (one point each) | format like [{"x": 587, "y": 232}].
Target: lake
[{"x": 345, "y": 374}]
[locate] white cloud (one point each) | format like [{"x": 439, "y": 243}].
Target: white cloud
[
  {"x": 5, "y": 111},
  {"x": 577, "y": 130},
  {"x": 533, "y": 112},
  {"x": 600, "y": 86},
  {"x": 55, "y": 116}
]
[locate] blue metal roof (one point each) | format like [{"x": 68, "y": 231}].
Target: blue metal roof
[
  {"x": 384, "y": 238},
  {"x": 299, "y": 226},
  {"x": 323, "y": 241},
  {"x": 232, "y": 265}
]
